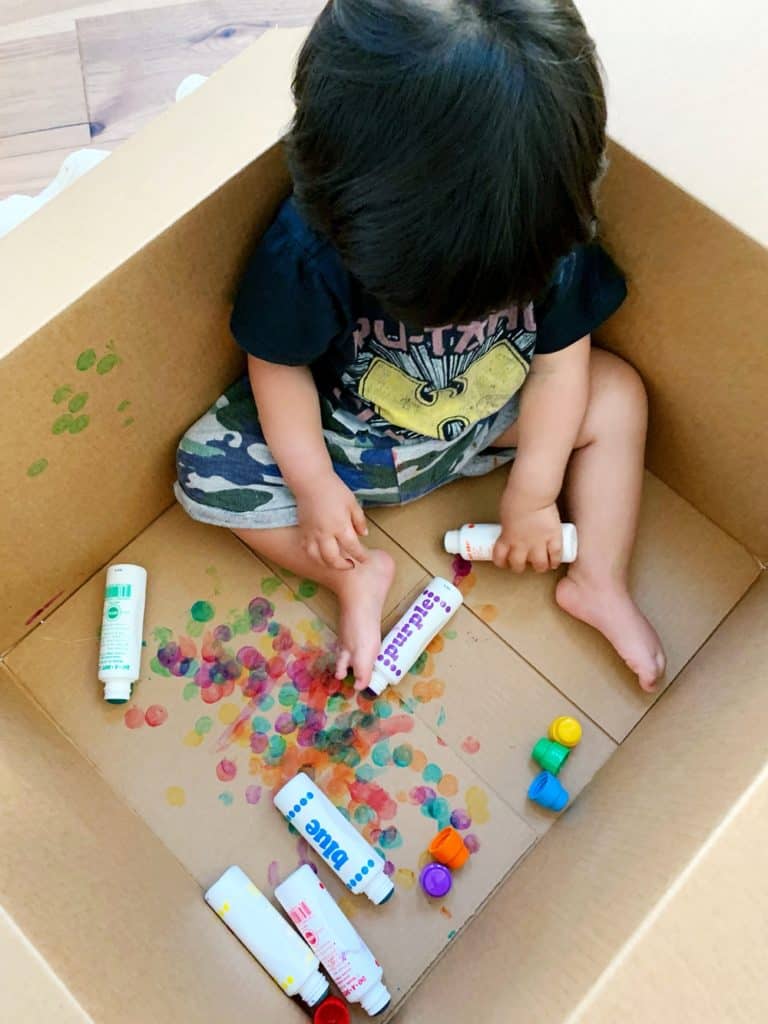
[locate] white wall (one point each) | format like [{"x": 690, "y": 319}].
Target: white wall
[{"x": 688, "y": 93}]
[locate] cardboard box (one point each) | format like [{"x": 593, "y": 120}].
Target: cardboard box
[{"x": 114, "y": 338}]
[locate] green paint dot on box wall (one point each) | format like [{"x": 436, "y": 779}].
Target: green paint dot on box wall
[
  {"x": 86, "y": 359},
  {"x": 107, "y": 363},
  {"x": 418, "y": 666},
  {"x": 203, "y": 725},
  {"x": 61, "y": 393},
  {"x": 37, "y": 467},
  {"x": 63, "y": 423},
  {"x": 79, "y": 424},
  {"x": 270, "y": 585},
  {"x": 190, "y": 691},
  {"x": 129, "y": 421},
  {"x": 202, "y": 611},
  {"x": 123, "y": 405},
  {"x": 161, "y": 635},
  {"x": 450, "y": 634},
  {"x": 307, "y": 588},
  {"x": 158, "y": 669},
  {"x": 288, "y": 695},
  {"x": 79, "y": 400},
  {"x": 195, "y": 629}
]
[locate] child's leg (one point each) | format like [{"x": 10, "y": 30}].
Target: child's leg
[
  {"x": 602, "y": 495},
  {"x": 361, "y": 593}
]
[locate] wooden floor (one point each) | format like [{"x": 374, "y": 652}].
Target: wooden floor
[{"x": 89, "y": 74}]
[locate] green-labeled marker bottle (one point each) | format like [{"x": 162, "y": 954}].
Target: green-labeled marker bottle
[{"x": 121, "y": 628}]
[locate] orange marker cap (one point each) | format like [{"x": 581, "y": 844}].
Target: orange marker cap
[{"x": 448, "y": 848}]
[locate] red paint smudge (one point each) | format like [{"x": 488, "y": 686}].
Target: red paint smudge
[
  {"x": 273, "y": 874},
  {"x": 134, "y": 718},
  {"x": 42, "y": 608},
  {"x": 377, "y": 798},
  {"x": 470, "y": 745},
  {"x": 156, "y": 715},
  {"x": 387, "y": 727},
  {"x": 461, "y": 568},
  {"x": 441, "y": 742},
  {"x": 226, "y": 770},
  {"x": 211, "y": 694}
]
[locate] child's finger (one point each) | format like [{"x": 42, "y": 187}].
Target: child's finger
[
  {"x": 350, "y": 546},
  {"x": 518, "y": 559},
  {"x": 330, "y": 554},
  {"x": 500, "y": 554},
  {"x": 539, "y": 558},
  {"x": 342, "y": 663},
  {"x": 359, "y": 521},
  {"x": 555, "y": 551}
]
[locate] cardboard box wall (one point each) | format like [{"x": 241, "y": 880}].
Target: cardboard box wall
[{"x": 145, "y": 253}]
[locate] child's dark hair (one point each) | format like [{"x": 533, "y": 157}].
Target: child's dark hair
[{"x": 449, "y": 148}]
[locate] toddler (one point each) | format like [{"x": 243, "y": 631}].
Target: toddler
[{"x": 420, "y": 310}]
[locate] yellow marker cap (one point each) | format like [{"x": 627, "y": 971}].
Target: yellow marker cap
[{"x": 565, "y": 730}]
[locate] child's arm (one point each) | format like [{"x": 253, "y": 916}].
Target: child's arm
[
  {"x": 330, "y": 519},
  {"x": 552, "y": 409}
]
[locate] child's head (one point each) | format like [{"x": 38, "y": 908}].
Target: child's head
[{"x": 449, "y": 148}]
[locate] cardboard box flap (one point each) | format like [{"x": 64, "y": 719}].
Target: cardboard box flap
[{"x": 146, "y": 186}]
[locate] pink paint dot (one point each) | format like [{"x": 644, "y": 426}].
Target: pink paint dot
[
  {"x": 156, "y": 715},
  {"x": 253, "y": 794},
  {"x": 470, "y": 745},
  {"x": 226, "y": 770},
  {"x": 471, "y": 842},
  {"x": 284, "y": 723},
  {"x": 389, "y": 868},
  {"x": 258, "y": 742},
  {"x": 275, "y": 667},
  {"x": 134, "y": 718}
]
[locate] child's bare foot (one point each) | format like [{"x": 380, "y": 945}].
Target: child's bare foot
[
  {"x": 361, "y": 595},
  {"x": 609, "y": 609}
]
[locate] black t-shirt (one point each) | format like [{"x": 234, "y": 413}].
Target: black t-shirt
[{"x": 297, "y": 305}]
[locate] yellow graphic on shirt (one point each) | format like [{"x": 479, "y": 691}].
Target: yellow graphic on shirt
[{"x": 481, "y": 390}]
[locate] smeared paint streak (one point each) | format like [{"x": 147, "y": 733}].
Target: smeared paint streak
[
  {"x": 428, "y": 689},
  {"x": 461, "y": 568},
  {"x": 134, "y": 718},
  {"x": 37, "y": 467},
  {"x": 477, "y": 805},
  {"x": 441, "y": 717},
  {"x": 452, "y": 933},
  {"x": 488, "y": 612},
  {"x": 273, "y": 874},
  {"x": 446, "y": 912},
  {"x": 470, "y": 745},
  {"x": 175, "y": 796},
  {"x": 42, "y": 608},
  {"x": 405, "y": 878},
  {"x": 156, "y": 715}
]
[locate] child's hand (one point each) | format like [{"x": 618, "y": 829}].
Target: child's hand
[
  {"x": 331, "y": 523},
  {"x": 528, "y": 535}
]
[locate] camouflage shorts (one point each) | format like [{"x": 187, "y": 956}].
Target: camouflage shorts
[{"x": 227, "y": 475}]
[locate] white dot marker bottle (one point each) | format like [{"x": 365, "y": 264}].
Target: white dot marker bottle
[
  {"x": 267, "y": 935},
  {"x": 337, "y": 944},
  {"x": 413, "y": 632},
  {"x": 121, "y": 628},
  {"x": 475, "y": 542},
  {"x": 338, "y": 842}
]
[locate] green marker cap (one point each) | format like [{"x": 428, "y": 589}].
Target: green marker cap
[{"x": 550, "y": 755}]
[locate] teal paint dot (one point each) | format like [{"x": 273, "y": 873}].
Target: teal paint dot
[
  {"x": 158, "y": 669},
  {"x": 203, "y": 725},
  {"x": 77, "y": 403},
  {"x": 432, "y": 773},
  {"x": 343, "y": 812},
  {"x": 300, "y": 714},
  {"x": 107, "y": 363},
  {"x": 288, "y": 695},
  {"x": 452, "y": 933},
  {"x": 190, "y": 691},
  {"x": 270, "y": 585},
  {"x": 276, "y": 746},
  {"x": 441, "y": 717},
  {"x": 227, "y": 799},
  {"x": 266, "y": 702},
  {"x": 261, "y": 725},
  {"x": 380, "y": 754},
  {"x": 363, "y": 814},
  {"x": 439, "y": 809},
  {"x": 382, "y": 708},
  {"x": 402, "y": 755},
  {"x": 37, "y": 467},
  {"x": 418, "y": 666},
  {"x": 273, "y": 628},
  {"x": 79, "y": 424},
  {"x": 390, "y": 839},
  {"x": 202, "y": 611},
  {"x": 410, "y": 705},
  {"x": 352, "y": 758},
  {"x": 365, "y": 773},
  {"x": 307, "y": 588},
  {"x": 336, "y": 702},
  {"x": 86, "y": 359}
]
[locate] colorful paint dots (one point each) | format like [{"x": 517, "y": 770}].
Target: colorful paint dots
[
  {"x": 252, "y": 794},
  {"x": 477, "y": 805},
  {"x": 175, "y": 796},
  {"x": 402, "y": 755},
  {"x": 460, "y": 819},
  {"x": 471, "y": 842},
  {"x": 134, "y": 718},
  {"x": 156, "y": 715},
  {"x": 307, "y": 588},
  {"x": 470, "y": 745},
  {"x": 432, "y": 773},
  {"x": 226, "y": 770},
  {"x": 202, "y": 611},
  {"x": 86, "y": 360}
]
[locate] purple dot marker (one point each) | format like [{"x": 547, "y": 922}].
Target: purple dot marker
[{"x": 435, "y": 880}]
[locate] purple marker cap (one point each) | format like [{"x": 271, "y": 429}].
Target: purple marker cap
[{"x": 435, "y": 880}]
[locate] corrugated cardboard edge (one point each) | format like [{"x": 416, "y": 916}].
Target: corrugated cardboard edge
[{"x": 94, "y": 230}]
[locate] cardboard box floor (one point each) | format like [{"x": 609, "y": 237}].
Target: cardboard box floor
[{"x": 115, "y": 818}]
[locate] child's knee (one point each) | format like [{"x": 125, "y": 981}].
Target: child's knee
[{"x": 618, "y": 389}]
